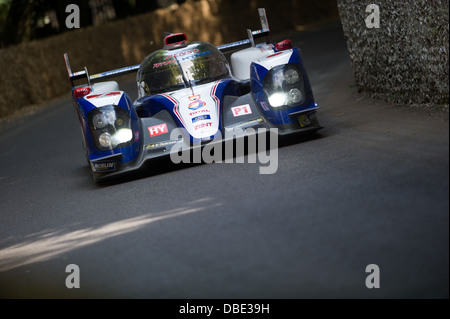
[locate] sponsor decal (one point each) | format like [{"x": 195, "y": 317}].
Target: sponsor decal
[
  {"x": 158, "y": 130},
  {"x": 264, "y": 106},
  {"x": 241, "y": 110},
  {"x": 157, "y": 65},
  {"x": 304, "y": 120},
  {"x": 158, "y": 145},
  {"x": 198, "y": 112},
  {"x": 183, "y": 53},
  {"x": 80, "y": 92},
  {"x": 245, "y": 124},
  {"x": 183, "y": 56},
  {"x": 196, "y": 105},
  {"x": 194, "y": 98},
  {"x": 263, "y": 19},
  {"x": 194, "y": 56},
  {"x": 203, "y": 125},
  {"x": 201, "y": 118},
  {"x": 104, "y": 166}
]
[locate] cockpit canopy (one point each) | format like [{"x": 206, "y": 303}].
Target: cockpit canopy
[{"x": 169, "y": 70}]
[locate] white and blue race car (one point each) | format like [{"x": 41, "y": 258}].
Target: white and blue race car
[{"x": 192, "y": 88}]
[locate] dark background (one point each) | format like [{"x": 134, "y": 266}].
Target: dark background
[{"x": 23, "y": 20}]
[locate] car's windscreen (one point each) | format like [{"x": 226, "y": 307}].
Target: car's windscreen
[{"x": 169, "y": 70}]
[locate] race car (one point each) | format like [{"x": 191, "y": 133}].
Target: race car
[{"x": 192, "y": 94}]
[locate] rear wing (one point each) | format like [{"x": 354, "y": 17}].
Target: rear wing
[
  {"x": 96, "y": 77},
  {"x": 252, "y": 35}
]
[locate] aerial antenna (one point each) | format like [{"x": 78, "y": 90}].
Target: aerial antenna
[{"x": 190, "y": 84}]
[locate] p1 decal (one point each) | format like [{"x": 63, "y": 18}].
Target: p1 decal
[
  {"x": 241, "y": 110},
  {"x": 158, "y": 130}
]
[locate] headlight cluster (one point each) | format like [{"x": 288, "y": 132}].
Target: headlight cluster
[
  {"x": 110, "y": 127},
  {"x": 284, "y": 86}
]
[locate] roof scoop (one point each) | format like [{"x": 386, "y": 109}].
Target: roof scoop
[{"x": 175, "y": 41}]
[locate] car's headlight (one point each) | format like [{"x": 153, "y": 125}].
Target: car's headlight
[
  {"x": 123, "y": 135},
  {"x": 284, "y": 86},
  {"x": 99, "y": 121},
  {"x": 110, "y": 127},
  {"x": 277, "y": 99},
  {"x": 292, "y": 76},
  {"x": 295, "y": 96},
  {"x": 105, "y": 140}
]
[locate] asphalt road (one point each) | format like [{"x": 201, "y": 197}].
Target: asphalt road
[{"x": 371, "y": 188}]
